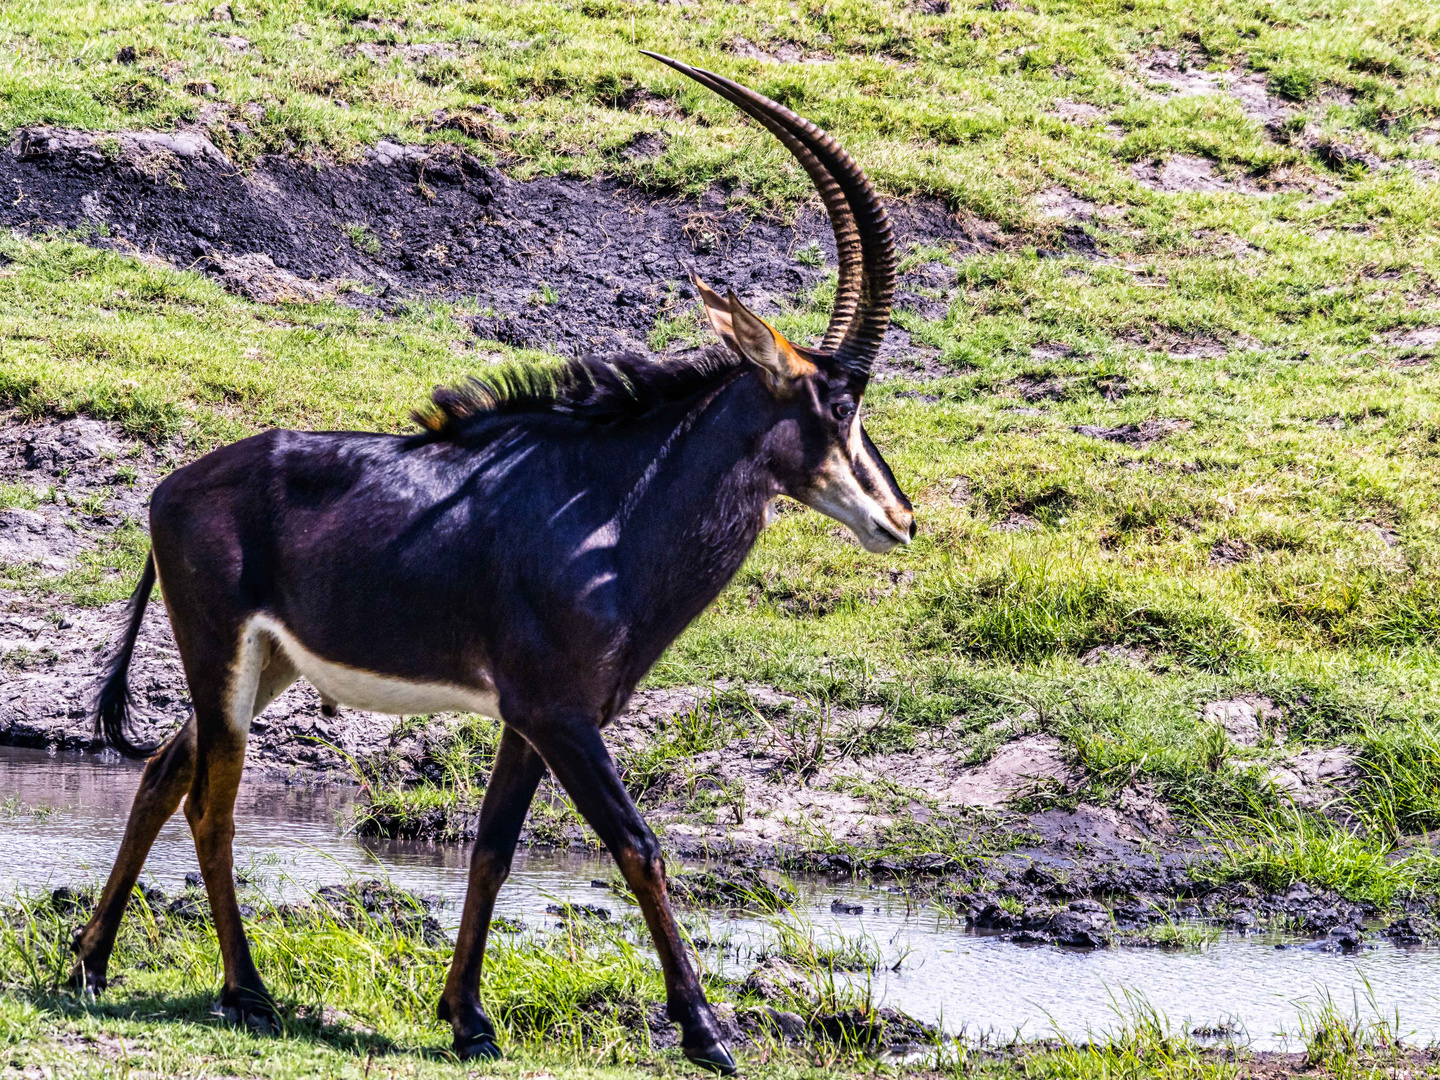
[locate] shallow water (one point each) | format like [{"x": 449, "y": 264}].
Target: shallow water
[{"x": 62, "y": 817}]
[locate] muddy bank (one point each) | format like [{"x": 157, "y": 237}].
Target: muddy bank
[
  {"x": 561, "y": 264},
  {"x": 83, "y": 483}
]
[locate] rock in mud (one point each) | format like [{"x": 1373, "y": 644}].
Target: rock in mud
[
  {"x": 73, "y": 899},
  {"x": 1084, "y": 924},
  {"x": 775, "y": 980},
  {"x": 579, "y": 911},
  {"x": 1412, "y": 929}
]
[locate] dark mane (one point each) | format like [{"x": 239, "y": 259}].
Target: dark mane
[{"x": 596, "y": 389}]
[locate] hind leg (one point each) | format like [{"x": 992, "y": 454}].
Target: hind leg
[
  {"x": 168, "y": 775},
  {"x": 256, "y": 676}
]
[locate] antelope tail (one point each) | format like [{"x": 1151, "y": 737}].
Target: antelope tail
[{"x": 112, "y": 707}]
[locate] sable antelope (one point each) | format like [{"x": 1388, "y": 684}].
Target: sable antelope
[{"x": 528, "y": 555}]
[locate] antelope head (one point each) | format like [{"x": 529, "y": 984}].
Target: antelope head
[{"x": 820, "y": 452}]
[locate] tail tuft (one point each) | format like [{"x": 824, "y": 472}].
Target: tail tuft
[{"x": 112, "y": 706}]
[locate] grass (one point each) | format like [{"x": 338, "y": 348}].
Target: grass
[
  {"x": 357, "y": 989},
  {"x": 1249, "y": 550}
]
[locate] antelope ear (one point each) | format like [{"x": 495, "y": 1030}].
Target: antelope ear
[{"x": 752, "y": 337}]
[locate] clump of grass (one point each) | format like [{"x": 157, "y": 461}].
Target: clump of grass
[
  {"x": 363, "y": 239},
  {"x": 552, "y": 999},
  {"x": 1335, "y": 1040},
  {"x": 1183, "y": 936},
  {"x": 819, "y": 956},
  {"x": 1399, "y": 792},
  {"x": 1278, "y": 846}
]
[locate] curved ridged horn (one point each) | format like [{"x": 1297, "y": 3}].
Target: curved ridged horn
[{"x": 862, "y": 230}]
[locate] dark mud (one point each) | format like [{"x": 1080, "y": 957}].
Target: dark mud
[{"x": 560, "y": 264}]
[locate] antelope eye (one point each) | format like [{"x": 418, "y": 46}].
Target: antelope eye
[{"x": 844, "y": 410}]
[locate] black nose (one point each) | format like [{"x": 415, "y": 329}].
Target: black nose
[{"x": 912, "y": 528}]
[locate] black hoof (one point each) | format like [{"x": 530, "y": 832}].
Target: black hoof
[
  {"x": 714, "y": 1057},
  {"x": 478, "y": 1047},
  {"x": 254, "y": 1011},
  {"x": 86, "y": 983}
]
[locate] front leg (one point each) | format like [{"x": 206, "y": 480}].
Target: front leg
[
  {"x": 572, "y": 747},
  {"x": 513, "y": 779}
]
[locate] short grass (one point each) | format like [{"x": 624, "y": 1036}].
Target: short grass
[
  {"x": 572, "y": 1000},
  {"x": 1279, "y": 540},
  {"x": 357, "y": 995}
]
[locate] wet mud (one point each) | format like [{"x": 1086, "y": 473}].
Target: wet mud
[{"x": 561, "y": 264}]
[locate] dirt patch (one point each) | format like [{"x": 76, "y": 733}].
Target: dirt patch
[
  {"x": 785, "y": 52},
  {"x": 1018, "y": 768},
  {"x": 1416, "y": 345},
  {"x": 52, "y": 655},
  {"x": 410, "y": 52},
  {"x": 1134, "y": 434},
  {"x": 254, "y": 276},
  {"x": 1187, "y": 345},
  {"x": 90, "y": 479},
  {"x": 84, "y": 479},
  {"x": 1229, "y": 551},
  {"x": 412, "y": 221},
  {"x": 1180, "y": 75},
  {"x": 1056, "y": 202},
  {"x": 1316, "y": 778},
  {"x": 1040, "y": 387},
  {"x": 1016, "y": 522},
  {"x": 1246, "y": 720},
  {"x": 1185, "y": 77},
  {"x": 1078, "y": 112},
  {"x": 1186, "y": 173},
  {"x": 772, "y": 793},
  {"x": 901, "y": 357},
  {"x": 1252, "y": 91},
  {"x": 1114, "y": 654}
]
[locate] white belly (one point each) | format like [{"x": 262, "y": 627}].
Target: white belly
[{"x": 371, "y": 690}]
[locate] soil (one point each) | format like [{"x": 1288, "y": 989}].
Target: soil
[
  {"x": 409, "y": 221},
  {"x": 1184, "y": 172},
  {"x": 91, "y": 480},
  {"x": 1184, "y": 79},
  {"x": 1078, "y": 112},
  {"x": 1137, "y": 435},
  {"x": 1056, "y": 202}
]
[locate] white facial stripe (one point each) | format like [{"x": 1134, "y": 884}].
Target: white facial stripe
[
  {"x": 837, "y": 493},
  {"x": 360, "y": 689}
]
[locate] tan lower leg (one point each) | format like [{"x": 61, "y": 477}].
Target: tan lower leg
[
  {"x": 168, "y": 775},
  {"x": 210, "y": 810}
]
